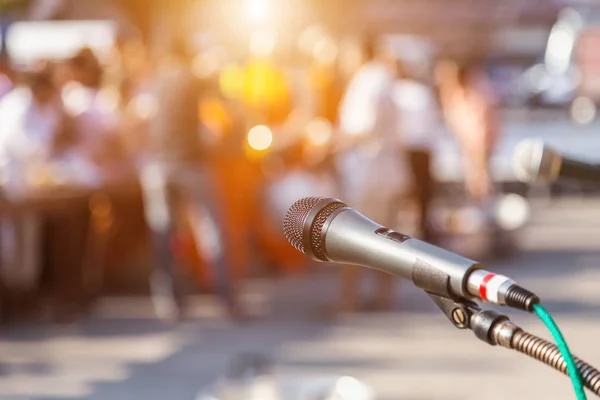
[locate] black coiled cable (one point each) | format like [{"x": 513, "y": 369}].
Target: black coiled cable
[{"x": 549, "y": 354}]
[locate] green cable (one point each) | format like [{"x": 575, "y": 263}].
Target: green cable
[{"x": 564, "y": 350}]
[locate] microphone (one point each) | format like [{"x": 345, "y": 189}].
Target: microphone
[
  {"x": 533, "y": 161},
  {"x": 326, "y": 229}
]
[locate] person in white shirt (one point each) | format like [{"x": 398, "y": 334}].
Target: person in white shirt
[
  {"x": 369, "y": 140},
  {"x": 96, "y": 119},
  {"x": 33, "y": 123},
  {"x": 31, "y": 135},
  {"x": 419, "y": 123},
  {"x": 370, "y": 161}
]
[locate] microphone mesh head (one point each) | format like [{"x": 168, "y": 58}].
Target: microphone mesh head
[
  {"x": 293, "y": 223},
  {"x": 527, "y": 159},
  {"x": 535, "y": 162},
  {"x": 317, "y": 242}
]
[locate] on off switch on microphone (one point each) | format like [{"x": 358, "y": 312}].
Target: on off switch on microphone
[
  {"x": 534, "y": 161},
  {"x": 326, "y": 229}
]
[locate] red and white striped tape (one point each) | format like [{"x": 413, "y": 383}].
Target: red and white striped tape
[{"x": 489, "y": 288}]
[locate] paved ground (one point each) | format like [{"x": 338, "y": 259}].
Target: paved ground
[{"x": 413, "y": 353}]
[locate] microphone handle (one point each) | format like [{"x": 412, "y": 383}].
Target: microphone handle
[{"x": 574, "y": 170}]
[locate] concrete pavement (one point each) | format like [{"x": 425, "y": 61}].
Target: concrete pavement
[{"x": 122, "y": 353}]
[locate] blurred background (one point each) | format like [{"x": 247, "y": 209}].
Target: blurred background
[{"x": 150, "y": 149}]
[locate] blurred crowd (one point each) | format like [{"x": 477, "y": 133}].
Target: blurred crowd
[{"x": 160, "y": 152}]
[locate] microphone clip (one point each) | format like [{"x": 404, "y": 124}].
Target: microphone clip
[{"x": 487, "y": 325}]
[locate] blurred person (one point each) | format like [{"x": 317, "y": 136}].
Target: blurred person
[
  {"x": 132, "y": 72},
  {"x": 98, "y": 160},
  {"x": 291, "y": 179},
  {"x": 128, "y": 65},
  {"x": 418, "y": 125},
  {"x": 34, "y": 132},
  {"x": 181, "y": 193},
  {"x": 126, "y": 98},
  {"x": 369, "y": 144},
  {"x": 470, "y": 111},
  {"x": 274, "y": 96},
  {"x": 96, "y": 118},
  {"x": 132, "y": 69},
  {"x": 62, "y": 74},
  {"x": 327, "y": 89},
  {"x": 33, "y": 120},
  {"x": 240, "y": 178}
]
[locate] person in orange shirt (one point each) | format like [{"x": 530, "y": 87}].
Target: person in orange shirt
[{"x": 262, "y": 89}]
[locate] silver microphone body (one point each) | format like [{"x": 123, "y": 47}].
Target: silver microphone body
[
  {"x": 352, "y": 238},
  {"x": 326, "y": 229}
]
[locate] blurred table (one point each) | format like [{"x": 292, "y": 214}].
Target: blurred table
[
  {"x": 63, "y": 227},
  {"x": 57, "y": 198}
]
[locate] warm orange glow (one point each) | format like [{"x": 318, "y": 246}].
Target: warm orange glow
[
  {"x": 325, "y": 51},
  {"x": 261, "y": 86},
  {"x": 205, "y": 65},
  {"x": 231, "y": 81},
  {"x": 212, "y": 113},
  {"x": 262, "y": 43},
  {"x": 266, "y": 88},
  {"x": 318, "y": 131},
  {"x": 257, "y": 10},
  {"x": 309, "y": 38}
]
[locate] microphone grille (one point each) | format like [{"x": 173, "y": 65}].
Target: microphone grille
[
  {"x": 293, "y": 223},
  {"x": 535, "y": 162},
  {"x": 316, "y": 241},
  {"x": 527, "y": 159}
]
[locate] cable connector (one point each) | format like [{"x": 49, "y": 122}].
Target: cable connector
[
  {"x": 500, "y": 289},
  {"x": 518, "y": 297}
]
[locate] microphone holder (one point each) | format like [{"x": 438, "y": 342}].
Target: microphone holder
[{"x": 495, "y": 328}]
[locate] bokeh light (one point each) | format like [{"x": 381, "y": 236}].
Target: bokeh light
[
  {"x": 205, "y": 64},
  {"x": 350, "y": 388},
  {"x": 350, "y": 56},
  {"x": 583, "y": 110},
  {"x": 537, "y": 78},
  {"x": 512, "y": 212},
  {"x": 260, "y": 137},
  {"x": 318, "y": 131},
  {"x": 263, "y": 42},
  {"x": 108, "y": 98},
  {"x": 144, "y": 106},
  {"x": 561, "y": 42},
  {"x": 309, "y": 38},
  {"x": 74, "y": 99},
  {"x": 325, "y": 51},
  {"x": 231, "y": 81},
  {"x": 257, "y": 10},
  {"x": 466, "y": 220}
]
